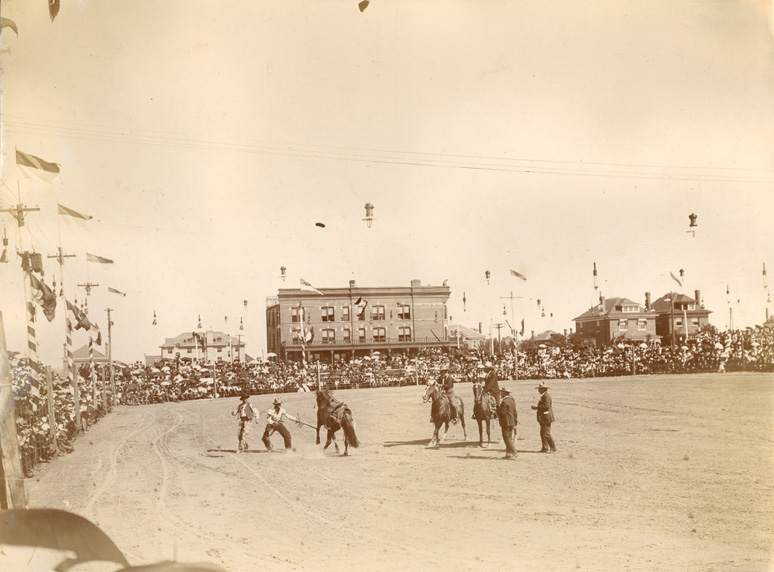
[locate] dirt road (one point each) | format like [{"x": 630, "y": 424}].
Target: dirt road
[{"x": 652, "y": 473}]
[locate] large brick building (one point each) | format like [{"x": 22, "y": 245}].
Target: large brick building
[
  {"x": 615, "y": 318},
  {"x": 685, "y": 319},
  {"x": 345, "y": 322}
]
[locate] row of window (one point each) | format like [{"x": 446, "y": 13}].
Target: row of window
[
  {"x": 642, "y": 325},
  {"x": 378, "y": 335},
  {"x": 189, "y": 350},
  {"x": 328, "y": 313}
]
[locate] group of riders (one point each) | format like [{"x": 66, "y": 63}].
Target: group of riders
[{"x": 490, "y": 402}]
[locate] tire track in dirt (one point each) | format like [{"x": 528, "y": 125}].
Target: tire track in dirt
[
  {"x": 113, "y": 468},
  {"x": 163, "y": 452}
]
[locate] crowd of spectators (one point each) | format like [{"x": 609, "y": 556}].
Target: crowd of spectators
[{"x": 709, "y": 351}]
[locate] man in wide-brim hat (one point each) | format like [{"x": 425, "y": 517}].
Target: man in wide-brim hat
[
  {"x": 244, "y": 413},
  {"x": 545, "y": 417},
  {"x": 275, "y": 421}
]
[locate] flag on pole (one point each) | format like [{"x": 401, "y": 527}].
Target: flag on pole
[
  {"x": 43, "y": 296},
  {"x": 98, "y": 259},
  {"x": 307, "y": 287},
  {"x": 676, "y": 279},
  {"x": 361, "y": 304},
  {"x": 8, "y": 23},
  {"x": 81, "y": 320},
  {"x": 518, "y": 275},
  {"x": 53, "y": 8},
  {"x": 521, "y": 333},
  {"x": 63, "y": 210},
  {"x": 32, "y": 166},
  {"x": 114, "y": 291}
]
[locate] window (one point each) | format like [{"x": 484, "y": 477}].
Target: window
[
  {"x": 380, "y": 335},
  {"x": 678, "y": 321},
  {"x": 170, "y": 350},
  {"x": 404, "y": 334},
  {"x": 296, "y": 335},
  {"x": 188, "y": 351},
  {"x": 404, "y": 312},
  {"x": 329, "y": 336},
  {"x": 377, "y": 312},
  {"x": 345, "y": 313},
  {"x": 294, "y": 314},
  {"x": 361, "y": 335},
  {"x": 347, "y": 336},
  {"x": 695, "y": 322},
  {"x": 623, "y": 324},
  {"x": 328, "y": 314},
  {"x": 220, "y": 350},
  {"x": 642, "y": 325}
]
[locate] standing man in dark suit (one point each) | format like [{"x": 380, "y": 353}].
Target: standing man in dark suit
[
  {"x": 545, "y": 416},
  {"x": 506, "y": 413}
]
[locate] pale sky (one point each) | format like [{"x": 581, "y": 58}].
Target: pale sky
[{"x": 208, "y": 137}]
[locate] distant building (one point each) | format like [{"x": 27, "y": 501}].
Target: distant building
[
  {"x": 215, "y": 346},
  {"x": 615, "y": 318},
  {"x": 346, "y": 322},
  {"x": 686, "y": 318},
  {"x": 464, "y": 337},
  {"x": 81, "y": 355}
]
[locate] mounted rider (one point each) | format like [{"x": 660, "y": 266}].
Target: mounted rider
[
  {"x": 447, "y": 384},
  {"x": 486, "y": 390}
]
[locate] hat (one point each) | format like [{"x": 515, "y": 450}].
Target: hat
[
  {"x": 277, "y": 401},
  {"x": 541, "y": 386},
  {"x": 488, "y": 364},
  {"x": 505, "y": 390},
  {"x": 244, "y": 395}
]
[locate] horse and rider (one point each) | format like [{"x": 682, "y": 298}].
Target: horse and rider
[
  {"x": 486, "y": 396},
  {"x": 335, "y": 415},
  {"x": 445, "y": 407}
]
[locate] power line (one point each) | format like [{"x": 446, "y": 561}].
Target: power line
[{"x": 495, "y": 164}]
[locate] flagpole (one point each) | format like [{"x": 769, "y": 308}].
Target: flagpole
[{"x": 110, "y": 357}]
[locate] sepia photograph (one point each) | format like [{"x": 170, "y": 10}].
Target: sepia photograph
[{"x": 386, "y": 285}]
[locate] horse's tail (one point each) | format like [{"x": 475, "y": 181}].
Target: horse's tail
[{"x": 349, "y": 429}]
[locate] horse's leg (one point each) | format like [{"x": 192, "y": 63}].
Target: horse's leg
[
  {"x": 331, "y": 439},
  {"x": 434, "y": 439},
  {"x": 461, "y": 415},
  {"x": 480, "y": 433},
  {"x": 488, "y": 430},
  {"x": 346, "y": 444},
  {"x": 445, "y": 430}
]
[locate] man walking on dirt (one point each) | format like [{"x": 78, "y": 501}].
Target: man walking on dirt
[
  {"x": 545, "y": 416},
  {"x": 275, "y": 418},
  {"x": 244, "y": 413}
]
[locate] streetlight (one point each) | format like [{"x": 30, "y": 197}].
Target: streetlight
[{"x": 369, "y": 214}]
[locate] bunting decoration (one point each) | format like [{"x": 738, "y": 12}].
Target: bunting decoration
[
  {"x": 594, "y": 273},
  {"x": 155, "y": 322},
  {"x": 43, "y": 296},
  {"x": 32, "y": 166},
  {"x": 361, "y": 304}
]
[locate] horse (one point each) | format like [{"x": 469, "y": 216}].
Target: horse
[
  {"x": 335, "y": 415},
  {"x": 440, "y": 412},
  {"x": 484, "y": 410}
]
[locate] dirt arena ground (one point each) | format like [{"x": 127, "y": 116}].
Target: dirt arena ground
[{"x": 652, "y": 473}]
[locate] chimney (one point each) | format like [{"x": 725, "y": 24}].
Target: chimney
[
  {"x": 565, "y": 332},
  {"x": 532, "y": 334},
  {"x": 601, "y": 300},
  {"x": 647, "y": 301},
  {"x": 480, "y": 329},
  {"x": 416, "y": 283},
  {"x": 351, "y": 283},
  {"x": 697, "y": 298}
]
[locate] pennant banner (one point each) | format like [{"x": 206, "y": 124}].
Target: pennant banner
[
  {"x": 98, "y": 259},
  {"x": 676, "y": 279},
  {"x": 32, "y": 166},
  {"x": 63, "y": 210},
  {"x": 8, "y": 23},
  {"x": 307, "y": 287},
  {"x": 53, "y": 8},
  {"x": 114, "y": 291},
  {"x": 518, "y": 275}
]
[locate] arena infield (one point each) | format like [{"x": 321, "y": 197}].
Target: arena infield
[{"x": 651, "y": 473}]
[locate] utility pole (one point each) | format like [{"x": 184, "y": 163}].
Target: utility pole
[
  {"x": 499, "y": 326},
  {"x": 110, "y": 361},
  {"x": 18, "y": 212},
  {"x": 513, "y": 315}
]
